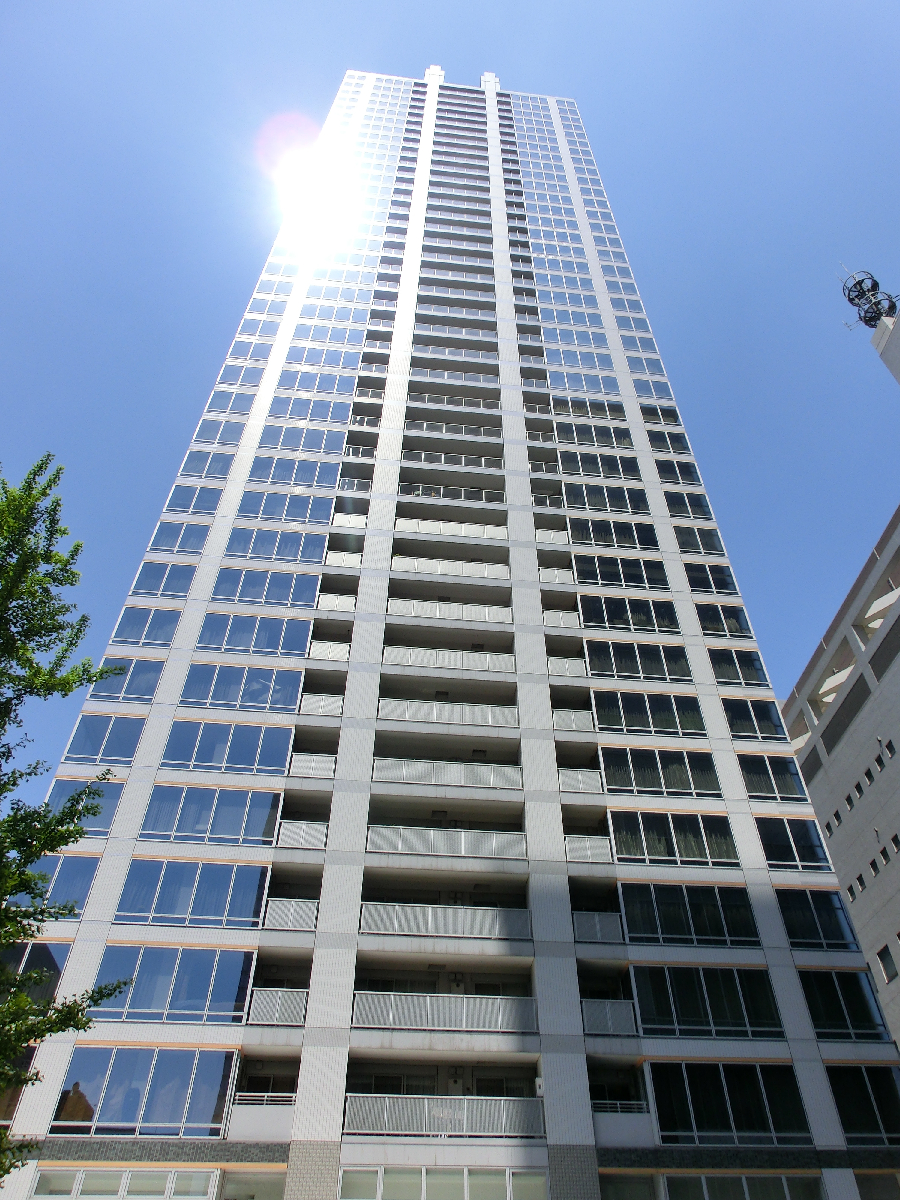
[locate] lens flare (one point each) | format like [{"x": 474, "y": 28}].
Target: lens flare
[{"x": 317, "y": 185}]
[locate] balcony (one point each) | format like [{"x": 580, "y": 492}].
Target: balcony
[
  {"x": 434, "y": 711},
  {"x": 453, "y": 401},
  {"x": 277, "y": 1006},
  {"x": 439, "y": 458},
  {"x": 261, "y": 1117},
  {"x": 329, "y": 651},
  {"x": 447, "y": 611},
  {"x": 313, "y": 766},
  {"x": 345, "y": 558},
  {"x": 609, "y": 1018},
  {"x": 465, "y": 529},
  {"x": 303, "y": 835},
  {"x": 300, "y": 915},
  {"x": 439, "y": 491},
  {"x": 573, "y": 667},
  {"x": 425, "y": 772},
  {"x": 597, "y": 927},
  {"x": 453, "y": 428},
  {"x": 444, "y": 1116},
  {"x": 580, "y": 779},
  {"x": 349, "y": 520},
  {"x": 433, "y": 657},
  {"x": 321, "y": 706},
  {"x": 334, "y": 602},
  {"x": 460, "y": 843},
  {"x": 449, "y": 566},
  {"x": 573, "y": 720},
  {"x": 560, "y": 618},
  {"x": 445, "y": 920},
  {"x": 554, "y": 575},
  {"x": 479, "y": 1014},
  {"x": 588, "y": 849}
]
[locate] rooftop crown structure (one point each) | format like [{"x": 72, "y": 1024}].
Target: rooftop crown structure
[{"x": 454, "y": 844}]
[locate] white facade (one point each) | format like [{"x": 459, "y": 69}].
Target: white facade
[{"x": 437, "y": 861}]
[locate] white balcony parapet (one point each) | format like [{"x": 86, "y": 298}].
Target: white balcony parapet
[
  {"x": 291, "y": 914},
  {"x": 343, "y": 558},
  {"x": 406, "y": 1010},
  {"x": 573, "y": 720},
  {"x": 561, "y": 618},
  {"x": 566, "y": 666},
  {"x": 321, "y": 706},
  {"x": 349, "y": 520},
  {"x": 431, "y": 711},
  {"x": 590, "y": 849},
  {"x": 277, "y": 1006},
  {"x": 597, "y": 927},
  {"x": 303, "y": 835},
  {"x": 611, "y": 1018},
  {"x": 446, "y": 774},
  {"x": 580, "y": 779},
  {"x": 461, "y": 660},
  {"x": 445, "y": 1116},
  {"x": 462, "y": 843},
  {"x": 450, "y": 566},
  {"x": 268, "y": 1098},
  {"x": 313, "y": 766},
  {"x": 450, "y": 528},
  {"x": 443, "y": 610},
  {"x": 554, "y": 575},
  {"x": 620, "y": 1106},
  {"x": 558, "y": 537},
  {"x": 330, "y": 651},
  {"x": 335, "y": 602},
  {"x": 447, "y": 459},
  {"x": 445, "y": 920}
]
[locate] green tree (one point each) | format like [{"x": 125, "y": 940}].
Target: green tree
[{"x": 39, "y": 634}]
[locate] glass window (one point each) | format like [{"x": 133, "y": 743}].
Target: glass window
[
  {"x": 99, "y": 824},
  {"x": 187, "y": 893}
]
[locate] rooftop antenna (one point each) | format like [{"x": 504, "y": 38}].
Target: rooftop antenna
[{"x": 863, "y": 291}]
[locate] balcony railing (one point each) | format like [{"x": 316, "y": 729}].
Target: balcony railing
[
  {"x": 349, "y": 520},
  {"x": 277, "y": 1006},
  {"x": 438, "y": 458},
  {"x": 303, "y": 835},
  {"x": 270, "y": 1098},
  {"x": 292, "y": 914},
  {"x": 436, "y": 657},
  {"x": 445, "y": 920},
  {"x": 343, "y": 558},
  {"x": 321, "y": 706},
  {"x": 581, "y": 779},
  {"x": 445, "y": 427},
  {"x": 447, "y": 611},
  {"x": 609, "y": 1018},
  {"x": 590, "y": 849},
  {"x": 444, "y": 1116},
  {"x": 349, "y": 483},
  {"x": 556, "y": 537},
  {"x": 555, "y": 575},
  {"x": 452, "y": 401},
  {"x": 573, "y": 720},
  {"x": 560, "y": 618},
  {"x": 620, "y": 1106},
  {"x": 466, "y": 529},
  {"x": 506, "y": 716},
  {"x": 567, "y": 666},
  {"x": 404, "y": 1010},
  {"x": 438, "y": 491},
  {"x": 329, "y": 651},
  {"x": 313, "y": 766},
  {"x": 446, "y": 774},
  {"x": 597, "y": 927},
  {"x": 462, "y": 843},
  {"x": 450, "y": 566},
  {"x": 333, "y": 601}
]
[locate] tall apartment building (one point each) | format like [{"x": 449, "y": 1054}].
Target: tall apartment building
[
  {"x": 453, "y": 844},
  {"x": 843, "y": 717}
]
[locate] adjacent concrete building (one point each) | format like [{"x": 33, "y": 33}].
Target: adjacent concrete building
[
  {"x": 454, "y": 843},
  {"x": 843, "y": 718}
]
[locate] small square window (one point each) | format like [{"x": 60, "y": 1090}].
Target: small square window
[
  {"x": 838, "y": 819},
  {"x": 889, "y": 746},
  {"x": 858, "y": 787},
  {"x": 895, "y": 842},
  {"x": 870, "y": 778},
  {"x": 879, "y": 762},
  {"x": 828, "y": 828},
  {"x": 888, "y": 965},
  {"x": 861, "y": 882},
  {"x": 873, "y": 867},
  {"x": 885, "y": 857},
  {"x": 851, "y": 892}
]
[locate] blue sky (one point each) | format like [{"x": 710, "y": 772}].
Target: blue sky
[{"x": 747, "y": 149}]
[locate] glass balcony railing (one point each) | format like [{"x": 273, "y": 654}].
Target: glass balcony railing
[
  {"x": 291, "y": 914},
  {"x": 277, "y": 1006},
  {"x": 609, "y": 1018}
]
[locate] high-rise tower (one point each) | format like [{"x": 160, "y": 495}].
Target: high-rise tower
[{"x": 454, "y": 844}]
